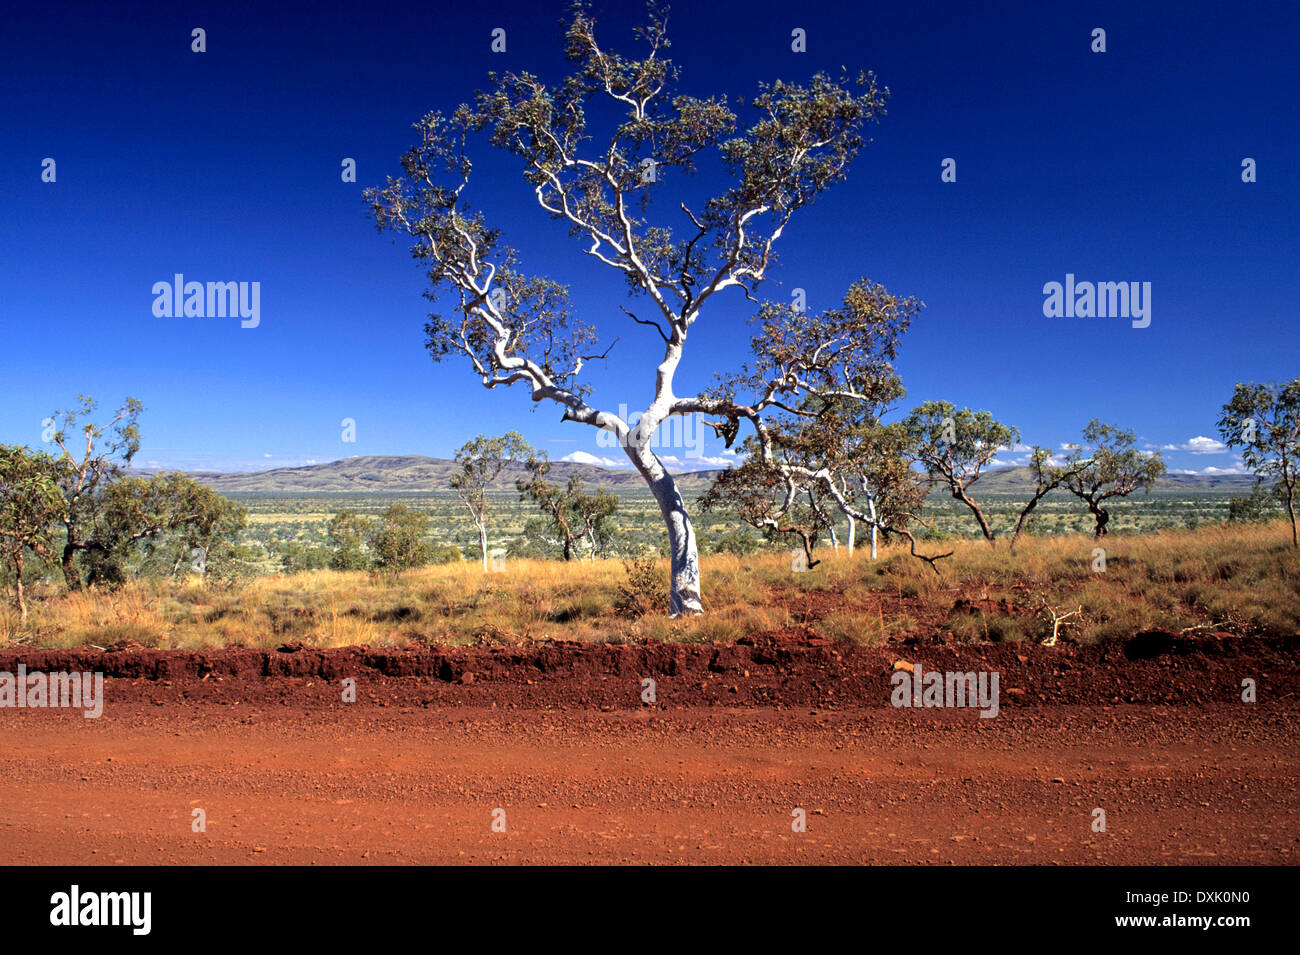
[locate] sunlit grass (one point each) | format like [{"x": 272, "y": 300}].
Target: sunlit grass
[{"x": 1238, "y": 579}]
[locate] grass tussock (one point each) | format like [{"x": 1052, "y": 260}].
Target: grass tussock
[{"x": 1243, "y": 580}]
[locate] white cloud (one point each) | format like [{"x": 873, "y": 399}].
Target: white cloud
[
  {"x": 1198, "y": 445},
  {"x": 703, "y": 462},
  {"x": 1203, "y": 445},
  {"x": 1235, "y": 469},
  {"x": 582, "y": 457}
]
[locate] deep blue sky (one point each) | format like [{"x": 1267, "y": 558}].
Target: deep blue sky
[{"x": 225, "y": 166}]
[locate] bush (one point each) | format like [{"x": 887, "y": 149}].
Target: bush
[
  {"x": 644, "y": 591},
  {"x": 399, "y": 543}
]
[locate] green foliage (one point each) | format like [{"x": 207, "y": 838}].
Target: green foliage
[
  {"x": 30, "y": 504},
  {"x": 296, "y": 557},
  {"x": 480, "y": 462},
  {"x": 445, "y": 555},
  {"x": 739, "y": 542},
  {"x": 643, "y": 590},
  {"x": 1263, "y": 422},
  {"x": 165, "y": 525},
  {"x": 1260, "y": 506},
  {"x": 1113, "y": 468},
  {"x": 92, "y": 457},
  {"x": 579, "y": 523},
  {"x": 399, "y": 542},
  {"x": 349, "y": 535}
]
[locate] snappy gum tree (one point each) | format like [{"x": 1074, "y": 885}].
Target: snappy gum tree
[
  {"x": 481, "y": 461},
  {"x": 517, "y": 328}
]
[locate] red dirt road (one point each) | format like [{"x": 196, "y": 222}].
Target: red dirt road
[{"x": 412, "y": 772}]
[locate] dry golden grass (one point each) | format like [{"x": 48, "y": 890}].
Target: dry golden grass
[{"x": 1238, "y": 579}]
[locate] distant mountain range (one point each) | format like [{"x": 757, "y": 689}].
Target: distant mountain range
[{"x": 414, "y": 473}]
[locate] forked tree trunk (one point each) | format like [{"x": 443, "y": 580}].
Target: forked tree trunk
[
  {"x": 482, "y": 543},
  {"x": 684, "y": 583}
]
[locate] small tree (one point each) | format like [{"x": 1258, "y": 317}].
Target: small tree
[
  {"x": 1114, "y": 468},
  {"x": 481, "y": 461},
  {"x": 174, "y": 520},
  {"x": 955, "y": 446},
  {"x": 575, "y": 516},
  {"x": 86, "y": 468},
  {"x": 1047, "y": 478},
  {"x": 399, "y": 542},
  {"x": 31, "y": 504},
  {"x": 769, "y": 499},
  {"x": 816, "y": 392},
  {"x": 865, "y": 462},
  {"x": 1264, "y": 422},
  {"x": 1259, "y": 507},
  {"x": 348, "y": 536}
]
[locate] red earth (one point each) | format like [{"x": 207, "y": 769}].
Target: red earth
[{"x": 556, "y": 746}]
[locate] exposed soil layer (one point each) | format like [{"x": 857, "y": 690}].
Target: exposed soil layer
[
  {"x": 740, "y": 742},
  {"x": 772, "y": 670}
]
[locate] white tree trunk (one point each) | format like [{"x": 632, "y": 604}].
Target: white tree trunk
[
  {"x": 483, "y": 543},
  {"x": 871, "y": 505},
  {"x": 684, "y": 584},
  {"x": 852, "y": 537}
]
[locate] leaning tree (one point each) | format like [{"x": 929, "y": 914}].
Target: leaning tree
[
  {"x": 954, "y": 446},
  {"x": 515, "y": 327}
]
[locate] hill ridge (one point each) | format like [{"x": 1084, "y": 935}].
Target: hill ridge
[{"x": 419, "y": 473}]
